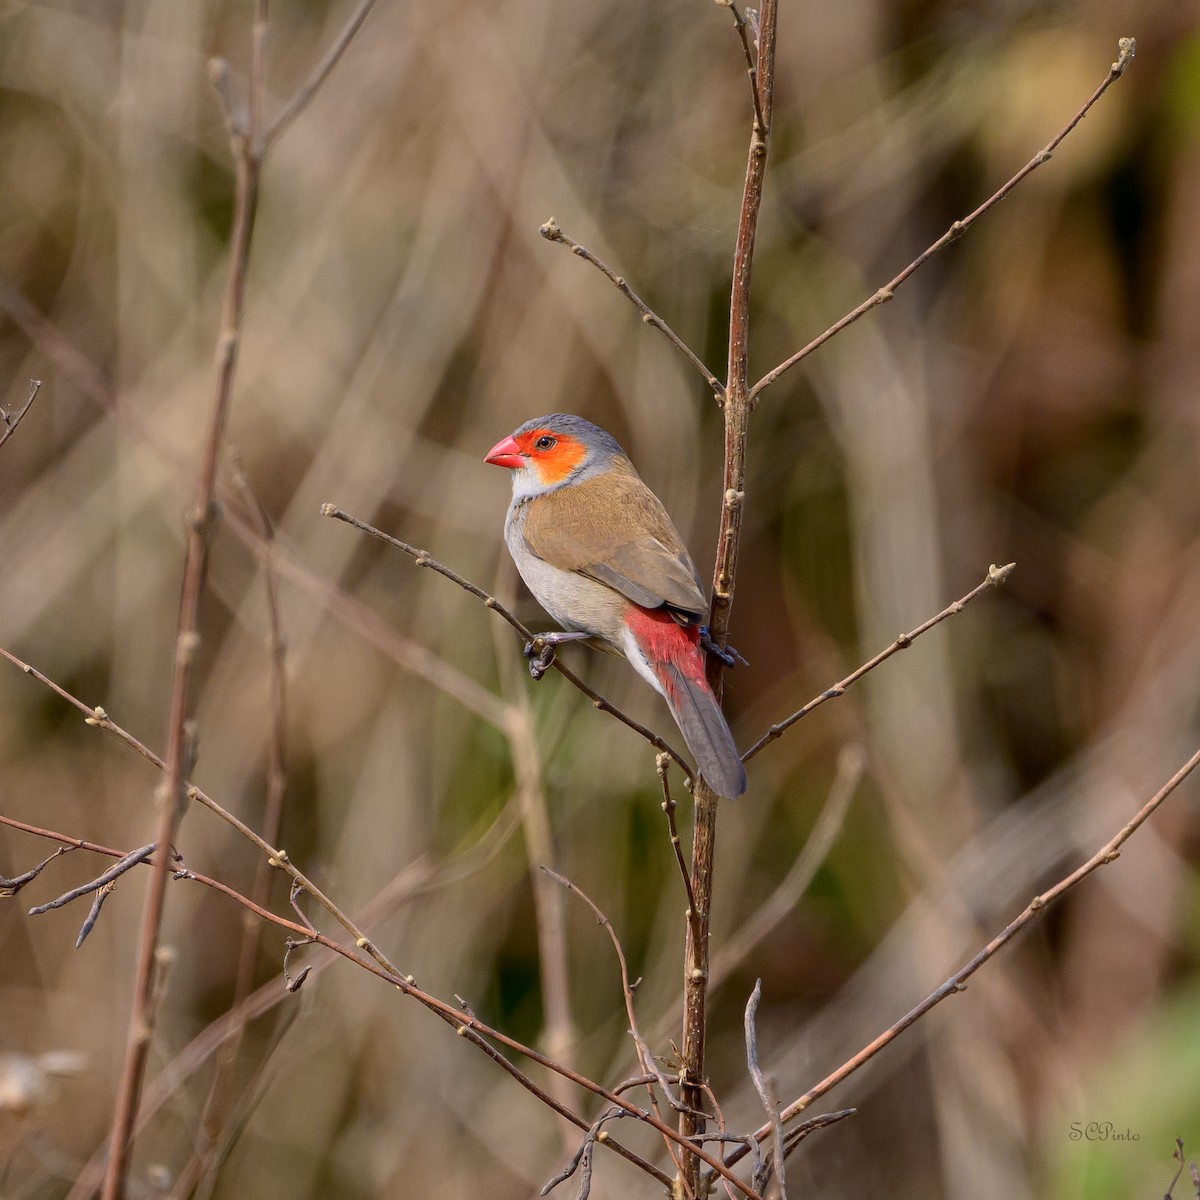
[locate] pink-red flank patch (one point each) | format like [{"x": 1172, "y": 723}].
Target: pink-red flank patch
[{"x": 664, "y": 641}]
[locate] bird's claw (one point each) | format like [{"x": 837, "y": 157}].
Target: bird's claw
[
  {"x": 727, "y": 654},
  {"x": 540, "y": 653}
]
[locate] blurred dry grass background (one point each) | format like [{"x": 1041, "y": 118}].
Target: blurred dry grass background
[{"x": 1030, "y": 396}]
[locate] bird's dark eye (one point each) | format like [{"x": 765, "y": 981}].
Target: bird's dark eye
[{"x": 546, "y": 442}]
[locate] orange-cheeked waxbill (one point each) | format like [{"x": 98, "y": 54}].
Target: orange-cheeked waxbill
[{"x": 601, "y": 556}]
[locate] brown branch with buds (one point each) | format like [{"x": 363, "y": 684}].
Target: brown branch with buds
[{"x": 10, "y": 421}]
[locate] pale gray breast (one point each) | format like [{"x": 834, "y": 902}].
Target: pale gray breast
[{"x": 573, "y": 600}]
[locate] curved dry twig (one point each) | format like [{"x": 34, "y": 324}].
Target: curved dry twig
[{"x": 766, "y": 1094}]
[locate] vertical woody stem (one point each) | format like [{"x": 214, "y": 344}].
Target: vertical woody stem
[
  {"x": 737, "y": 407},
  {"x": 170, "y": 796}
]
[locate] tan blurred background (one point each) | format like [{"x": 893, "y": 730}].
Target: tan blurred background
[{"x": 1031, "y": 396}]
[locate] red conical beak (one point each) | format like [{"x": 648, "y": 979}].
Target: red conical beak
[{"x": 506, "y": 453}]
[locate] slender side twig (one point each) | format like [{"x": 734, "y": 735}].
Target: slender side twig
[
  {"x": 798, "y": 1133},
  {"x": 10, "y": 421},
  {"x": 75, "y": 843},
  {"x": 10, "y": 887},
  {"x": 740, "y": 24},
  {"x": 995, "y": 577},
  {"x": 736, "y": 408},
  {"x": 1126, "y": 49},
  {"x": 424, "y": 559},
  {"x": 1109, "y": 852},
  {"x": 247, "y": 154},
  {"x": 766, "y": 1093},
  {"x": 668, "y": 806},
  {"x": 552, "y": 233},
  {"x": 304, "y": 94}
]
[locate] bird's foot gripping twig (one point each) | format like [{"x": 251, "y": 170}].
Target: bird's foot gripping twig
[
  {"x": 541, "y": 648},
  {"x": 727, "y": 654}
]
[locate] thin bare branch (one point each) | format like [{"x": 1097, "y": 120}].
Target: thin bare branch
[
  {"x": 424, "y": 559},
  {"x": 957, "y": 982},
  {"x": 172, "y": 798},
  {"x": 736, "y": 409},
  {"x": 668, "y": 807},
  {"x": 10, "y": 887},
  {"x": 741, "y": 25},
  {"x": 552, "y": 233},
  {"x": 10, "y": 421},
  {"x": 995, "y": 577},
  {"x": 308, "y": 89},
  {"x": 798, "y": 1133},
  {"x": 1126, "y": 49}
]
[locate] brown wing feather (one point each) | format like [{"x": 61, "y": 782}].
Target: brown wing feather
[{"x": 612, "y": 528}]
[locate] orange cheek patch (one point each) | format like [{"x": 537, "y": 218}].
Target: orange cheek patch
[{"x": 555, "y": 464}]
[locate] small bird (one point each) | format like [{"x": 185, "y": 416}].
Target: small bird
[{"x": 601, "y": 556}]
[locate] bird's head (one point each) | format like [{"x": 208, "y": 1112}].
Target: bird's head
[{"x": 554, "y": 450}]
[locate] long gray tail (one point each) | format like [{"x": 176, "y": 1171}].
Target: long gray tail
[{"x": 704, "y": 729}]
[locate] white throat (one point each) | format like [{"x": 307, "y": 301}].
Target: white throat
[{"x": 525, "y": 483}]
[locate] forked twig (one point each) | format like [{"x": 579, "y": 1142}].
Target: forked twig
[
  {"x": 113, "y": 873},
  {"x": 10, "y": 887},
  {"x": 582, "y": 1160}
]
